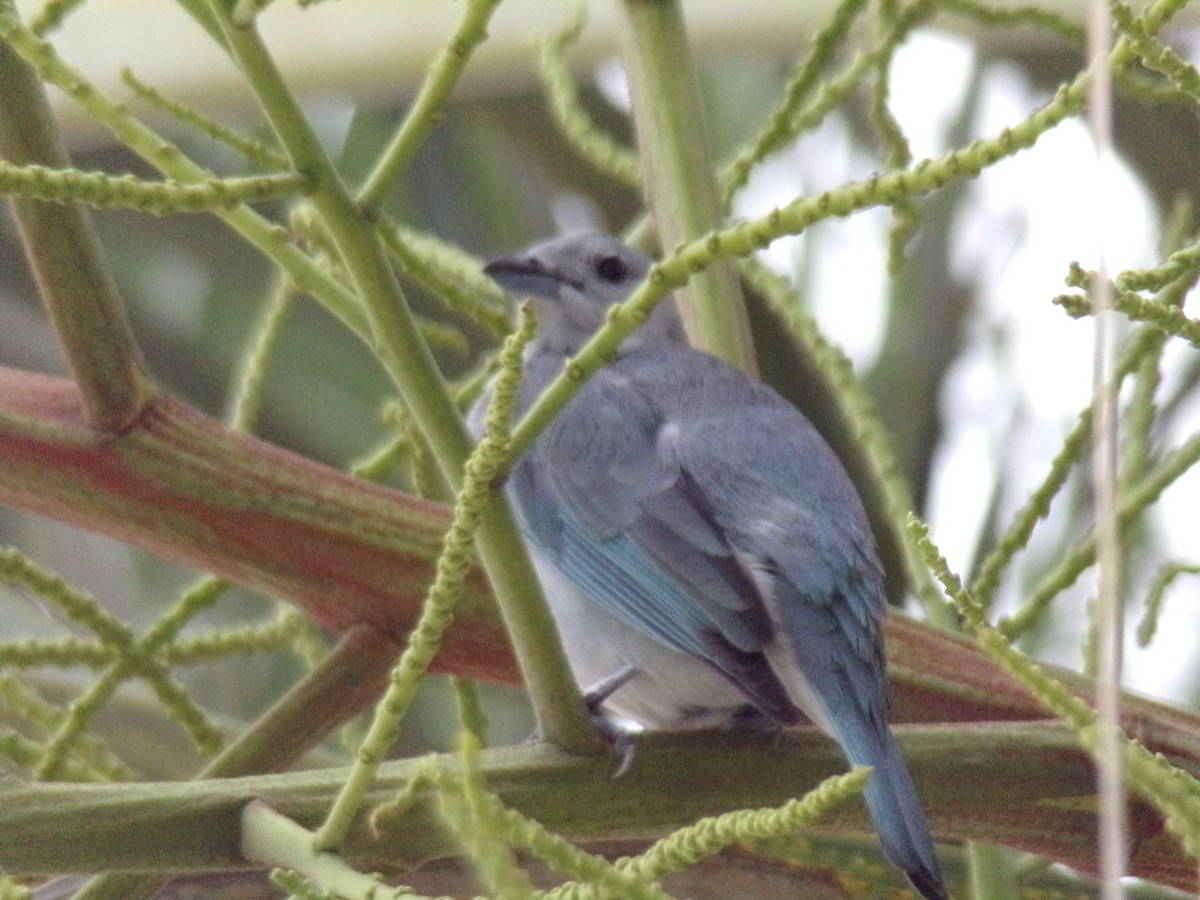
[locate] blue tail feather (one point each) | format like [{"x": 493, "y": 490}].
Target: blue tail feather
[{"x": 894, "y": 806}]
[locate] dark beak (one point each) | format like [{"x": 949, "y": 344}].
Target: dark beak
[{"x": 523, "y": 276}]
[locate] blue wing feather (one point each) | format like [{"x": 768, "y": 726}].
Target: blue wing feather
[{"x": 599, "y": 499}]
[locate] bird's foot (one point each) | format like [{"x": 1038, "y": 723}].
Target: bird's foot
[{"x": 614, "y": 734}]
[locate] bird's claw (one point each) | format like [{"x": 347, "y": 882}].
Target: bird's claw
[{"x": 616, "y": 736}]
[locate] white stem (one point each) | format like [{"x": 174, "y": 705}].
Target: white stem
[{"x": 1109, "y": 609}]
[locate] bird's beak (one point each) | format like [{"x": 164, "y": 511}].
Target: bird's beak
[{"x": 523, "y": 276}]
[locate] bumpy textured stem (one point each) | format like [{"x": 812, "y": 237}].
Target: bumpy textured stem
[{"x": 396, "y": 341}]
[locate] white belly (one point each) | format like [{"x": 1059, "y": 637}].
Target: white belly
[{"x": 672, "y": 690}]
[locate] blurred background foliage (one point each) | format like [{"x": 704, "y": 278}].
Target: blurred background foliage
[{"x": 934, "y": 344}]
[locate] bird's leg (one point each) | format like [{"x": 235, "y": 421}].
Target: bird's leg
[{"x": 594, "y": 697}]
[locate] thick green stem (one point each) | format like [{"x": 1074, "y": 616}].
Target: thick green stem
[
  {"x": 277, "y": 840},
  {"x": 561, "y": 717},
  {"x": 993, "y": 872},
  {"x": 1025, "y": 781},
  {"x": 678, "y": 170},
  {"x": 76, "y": 286}
]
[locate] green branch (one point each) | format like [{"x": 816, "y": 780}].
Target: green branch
[
  {"x": 677, "y": 169},
  {"x": 102, "y": 191},
  {"x": 449, "y": 273},
  {"x": 438, "y": 610},
  {"x": 709, "y": 836},
  {"x": 132, "y": 656},
  {"x": 1155, "y": 596},
  {"x": 1168, "y": 318},
  {"x": 252, "y": 149},
  {"x": 782, "y": 123},
  {"x": 396, "y": 341},
  {"x": 48, "y": 828},
  {"x": 76, "y": 286},
  {"x": 426, "y": 108},
  {"x": 1134, "y": 501},
  {"x": 271, "y": 839},
  {"x": 589, "y": 141},
  {"x": 91, "y": 759},
  {"x": 349, "y": 677}
]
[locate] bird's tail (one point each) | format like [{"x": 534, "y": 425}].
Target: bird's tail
[{"x": 895, "y": 809}]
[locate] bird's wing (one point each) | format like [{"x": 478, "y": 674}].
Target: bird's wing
[
  {"x": 784, "y": 503},
  {"x": 623, "y": 520},
  {"x": 734, "y": 512},
  {"x": 787, "y": 507}
]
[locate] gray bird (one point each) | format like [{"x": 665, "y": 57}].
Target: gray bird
[{"x": 703, "y": 552}]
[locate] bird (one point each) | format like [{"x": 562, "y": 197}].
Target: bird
[{"x": 705, "y": 556}]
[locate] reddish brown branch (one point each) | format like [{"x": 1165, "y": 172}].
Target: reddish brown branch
[
  {"x": 185, "y": 487},
  {"x": 349, "y": 552}
]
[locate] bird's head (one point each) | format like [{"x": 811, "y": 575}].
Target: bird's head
[{"x": 573, "y": 280}]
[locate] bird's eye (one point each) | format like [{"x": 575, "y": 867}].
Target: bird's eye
[{"x": 611, "y": 269}]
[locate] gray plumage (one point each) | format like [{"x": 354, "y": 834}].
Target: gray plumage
[{"x": 687, "y": 521}]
